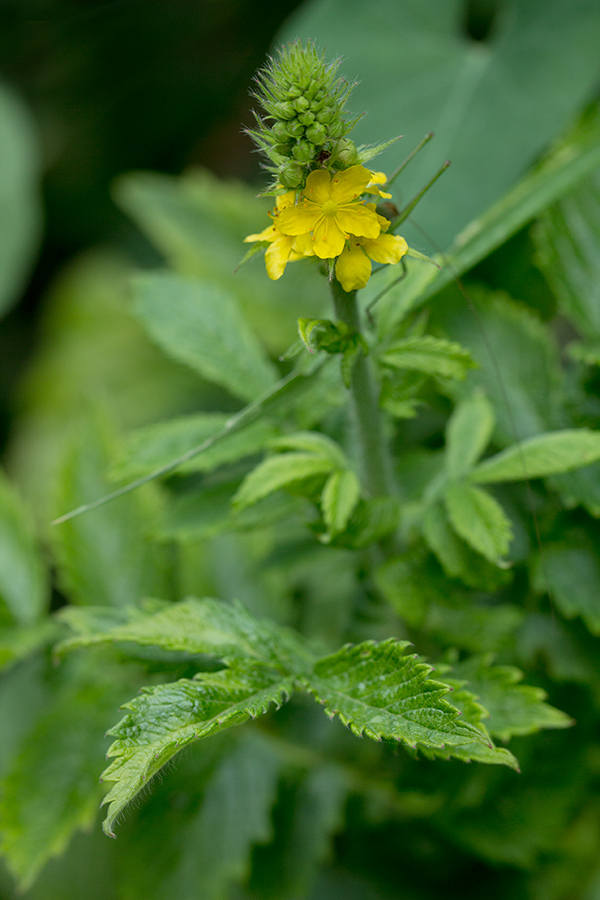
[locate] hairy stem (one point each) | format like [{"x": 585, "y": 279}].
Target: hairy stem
[{"x": 375, "y": 457}]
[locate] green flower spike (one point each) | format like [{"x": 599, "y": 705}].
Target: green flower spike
[{"x": 304, "y": 127}]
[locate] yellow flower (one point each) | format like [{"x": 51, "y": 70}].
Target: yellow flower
[
  {"x": 331, "y": 209},
  {"x": 377, "y": 178},
  {"x": 281, "y": 249},
  {"x": 353, "y": 268}
]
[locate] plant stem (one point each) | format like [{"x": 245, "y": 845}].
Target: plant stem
[{"x": 375, "y": 458}]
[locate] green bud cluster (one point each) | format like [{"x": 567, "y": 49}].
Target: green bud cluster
[{"x": 303, "y": 127}]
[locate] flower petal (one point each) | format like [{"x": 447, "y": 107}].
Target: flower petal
[
  {"x": 377, "y": 178},
  {"x": 329, "y": 239},
  {"x": 268, "y": 234},
  {"x": 299, "y": 219},
  {"x": 356, "y": 219},
  {"x": 387, "y": 248},
  {"x": 283, "y": 201},
  {"x": 277, "y": 256},
  {"x": 353, "y": 268},
  {"x": 350, "y": 184},
  {"x": 318, "y": 186},
  {"x": 304, "y": 245}
]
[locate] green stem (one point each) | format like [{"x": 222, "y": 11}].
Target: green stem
[{"x": 376, "y": 461}]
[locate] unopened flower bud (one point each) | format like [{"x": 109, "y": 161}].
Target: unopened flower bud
[
  {"x": 301, "y": 104},
  {"x": 307, "y": 118},
  {"x": 279, "y": 131},
  {"x": 285, "y": 110},
  {"x": 303, "y": 151},
  {"x": 294, "y": 128},
  {"x": 291, "y": 175},
  {"x": 345, "y": 152},
  {"x": 316, "y": 134},
  {"x": 325, "y": 115}
]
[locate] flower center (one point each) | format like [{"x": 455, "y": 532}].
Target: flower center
[{"x": 329, "y": 208}]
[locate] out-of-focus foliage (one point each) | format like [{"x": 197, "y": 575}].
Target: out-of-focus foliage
[{"x": 486, "y": 558}]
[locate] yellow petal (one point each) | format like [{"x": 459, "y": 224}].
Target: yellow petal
[
  {"x": 285, "y": 200},
  {"x": 304, "y": 245},
  {"x": 318, "y": 186},
  {"x": 356, "y": 219},
  {"x": 377, "y": 177},
  {"x": 387, "y": 248},
  {"x": 277, "y": 256},
  {"x": 329, "y": 239},
  {"x": 299, "y": 219},
  {"x": 269, "y": 234},
  {"x": 350, "y": 184},
  {"x": 353, "y": 268}
]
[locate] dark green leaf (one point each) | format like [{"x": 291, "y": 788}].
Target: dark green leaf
[{"x": 570, "y": 572}]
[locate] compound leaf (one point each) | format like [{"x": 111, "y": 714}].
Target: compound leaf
[
  {"x": 430, "y": 356},
  {"x": 468, "y": 433},
  {"x": 279, "y": 471}
]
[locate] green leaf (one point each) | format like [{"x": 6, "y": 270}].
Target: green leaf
[
  {"x": 165, "y": 718},
  {"x": 567, "y": 236},
  {"x": 205, "y": 842},
  {"x": 570, "y": 572},
  {"x": 24, "y": 590},
  {"x": 338, "y": 500},
  {"x": 379, "y": 691},
  {"x": 20, "y": 205},
  {"x": 312, "y": 442},
  {"x": 201, "y": 325},
  {"x": 51, "y": 786},
  {"x": 429, "y": 355},
  {"x": 280, "y": 471},
  {"x": 479, "y": 520},
  {"x": 149, "y": 448},
  {"x": 467, "y": 434},
  {"x": 456, "y": 555},
  {"x": 513, "y": 708},
  {"x": 104, "y": 557},
  {"x": 191, "y": 626},
  {"x": 540, "y": 456},
  {"x": 19, "y": 642}
]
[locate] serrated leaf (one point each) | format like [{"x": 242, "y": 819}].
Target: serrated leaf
[
  {"x": 338, "y": 500},
  {"x": 191, "y": 626},
  {"x": 479, "y": 520},
  {"x": 429, "y": 355},
  {"x": 24, "y": 590},
  {"x": 202, "y": 844},
  {"x": 379, "y": 691},
  {"x": 570, "y": 572},
  {"x": 455, "y": 554},
  {"x": 149, "y": 448},
  {"x": 51, "y": 788},
  {"x": 200, "y": 324},
  {"x": 467, "y": 434},
  {"x": 280, "y": 471},
  {"x": 538, "y": 457},
  {"x": 167, "y": 717},
  {"x": 513, "y": 708}
]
